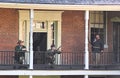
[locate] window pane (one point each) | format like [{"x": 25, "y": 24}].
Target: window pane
[
  {"x": 92, "y": 18},
  {"x": 97, "y": 18},
  {"x": 102, "y": 18}
]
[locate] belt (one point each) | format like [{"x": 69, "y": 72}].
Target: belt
[{"x": 95, "y": 47}]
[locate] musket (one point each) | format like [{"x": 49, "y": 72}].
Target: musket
[{"x": 58, "y": 48}]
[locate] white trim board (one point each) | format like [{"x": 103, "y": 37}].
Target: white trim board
[
  {"x": 59, "y": 72},
  {"x": 60, "y": 7}
]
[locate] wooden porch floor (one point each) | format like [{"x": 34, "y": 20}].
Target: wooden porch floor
[{"x": 60, "y": 67}]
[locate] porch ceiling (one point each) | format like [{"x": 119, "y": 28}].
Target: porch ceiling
[{"x": 61, "y": 7}]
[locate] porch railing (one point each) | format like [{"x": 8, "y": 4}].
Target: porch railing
[
  {"x": 8, "y": 60},
  {"x": 63, "y": 58},
  {"x": 61, "y": 61}
]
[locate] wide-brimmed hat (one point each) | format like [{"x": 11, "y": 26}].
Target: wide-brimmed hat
[{"x": 20, "y": 41}]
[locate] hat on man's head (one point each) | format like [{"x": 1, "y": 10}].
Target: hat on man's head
[
  {"x": 20, "y": 41},
  {"x": 52, "y": 45}
]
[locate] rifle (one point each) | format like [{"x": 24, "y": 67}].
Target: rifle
[
  {"x": 90, "y": 43},
  {"x": 57, "y": 50}
]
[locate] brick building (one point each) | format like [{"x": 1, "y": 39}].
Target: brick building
[{"x": 70, "y": 25}]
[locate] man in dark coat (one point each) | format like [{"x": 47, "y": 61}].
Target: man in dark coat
[
  {"x": 97, "y": 49},
  {"x": 20, "y": 52},
  {"x": 50, "y": 55}
]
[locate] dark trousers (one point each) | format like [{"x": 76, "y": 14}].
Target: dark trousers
[{"x": 18, "y": 56}]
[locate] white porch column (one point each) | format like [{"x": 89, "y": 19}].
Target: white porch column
[
  {"x": 86, "y": 41},
  {"x": 30, "y": 76},
  {"x": 31, "y": 38},
  {"x": 86, "y": 76}
]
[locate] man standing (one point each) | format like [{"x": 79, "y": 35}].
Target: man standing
[
  {"x": 97, "y": 49},
  {"x": 20, "y": 52}
]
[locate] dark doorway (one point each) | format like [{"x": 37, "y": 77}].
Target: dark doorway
[
  {"x": 39, "y": 47},
  {"x": 39, "y": 41},
  {"x": 116, "y": 41}
]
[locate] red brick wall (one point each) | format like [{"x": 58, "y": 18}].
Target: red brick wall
[
  {"x": 73, "y": 31},
  {"x": 8, "y": 76},
  {"x": 8, "y": 28}
]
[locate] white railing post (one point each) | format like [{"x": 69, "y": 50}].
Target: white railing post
[
  {"x": 30, "y": 76},
  {"x": 86, "y": 40},
  {"x": 31, "y": 38},
  {"x": 86, "y": 76}
]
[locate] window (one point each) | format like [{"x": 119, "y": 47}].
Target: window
[
  {"x": 49, "y": 27},
  {"x": 54, "y": 32},
  {"x": 40, "y": 25},
  {"x": 97, "y": 24}
]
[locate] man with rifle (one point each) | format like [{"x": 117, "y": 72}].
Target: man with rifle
[
  {"x": 50, "y": 55},
  {"x": 97, "y": 49}
]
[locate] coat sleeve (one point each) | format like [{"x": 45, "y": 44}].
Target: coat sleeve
[{"x": 101, "y": 45}]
